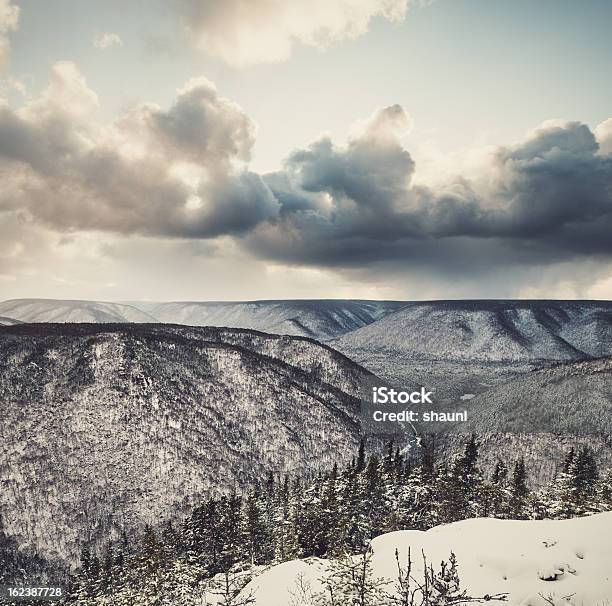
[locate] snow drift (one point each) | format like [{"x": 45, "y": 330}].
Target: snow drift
[{"x": 534, "y": 562}]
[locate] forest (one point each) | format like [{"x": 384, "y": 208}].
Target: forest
[{"x": 228, "y": 538}]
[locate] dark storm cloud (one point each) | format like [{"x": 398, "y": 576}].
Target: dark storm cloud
[{"x": 545, "y": 200}]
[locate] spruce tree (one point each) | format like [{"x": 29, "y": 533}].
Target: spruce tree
[
  {"x": 519, "y": 491},
  {"x": 373, "y": 505},
  {"x": 361, "y": 457},
  {"x": 256, "y": 536},
  {"x": 497, "y": 492},
  {"x": 584, "y": 475},
  {"x": 331, "y": 516},
  {"x": 350, "y": 581}
]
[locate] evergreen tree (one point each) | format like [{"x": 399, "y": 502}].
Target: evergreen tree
[
  {"x": 519, "y": 491},
  {"x": 361, "y": 457},
  {"x": 496, "y": 496},
  {"x": 584, "y": 475},
  {"x": 575, "y": 488},
  {"x": 428, "y": 459},
  {"x": 256, "y": 535},
  {"x": 350, "y": 581},
  {"x": 569, "y": 460},
  {"x": 604, "y": 492},
  {"x": 389, "y": 458},
  {"x": 287, "y": 522},
  {"x": 351, "y": 518},
  {"x": 333, "y": 528},
  {"x": 500, "y": 473},
  {"x": 373, "y": 500},
  {"x": 230, "y": 545},
  {"x": 459, "y": 484}
]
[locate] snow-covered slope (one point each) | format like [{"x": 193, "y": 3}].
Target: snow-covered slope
[
  {"x": 4, "y": 321},
  {"x": 470, "y": 344},
  {"x": 491, "y": 331},
  {"x": 111, "y": 426},
  {"x": 321, "y": 319},
  {"x": 537, "y": 563},
  {"x": 54, "y": 310},
  {"x": 542, "y": 414},
  {"x": 572, "y": 398}
]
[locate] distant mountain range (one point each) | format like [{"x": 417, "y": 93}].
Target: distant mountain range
[
  {"x": 54, "y": 310},
  {"x": 106, "y": 427},
  {"x": 319, "y": 319},
  {"x": 457, "y": 348},
  {"x": 471, "y": 331}
]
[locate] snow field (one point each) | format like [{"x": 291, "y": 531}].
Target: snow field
[{"x": 566, "y": 561}]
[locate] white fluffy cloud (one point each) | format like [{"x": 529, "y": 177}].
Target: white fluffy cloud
[
  {"x": 106, "y": 40},
  {"x": 9, "y": 21},
  {"x": 603, "y": 132},
  {"x": 245, "y": 32}
]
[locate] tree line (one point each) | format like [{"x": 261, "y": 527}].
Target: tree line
[{"x": 332, "y": 515}]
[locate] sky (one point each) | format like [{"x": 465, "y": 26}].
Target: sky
[{"x": 198, "y": 150}]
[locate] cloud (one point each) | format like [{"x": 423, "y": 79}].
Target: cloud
[
  {"x": 106, "y": 40},
  {"x": 246, "y": 32},
  {"x": 9, "y": 22},
  {"x": 356, "y": 209},
  {"x": 603, "y": 132},
  {"x": 141, "y": 173},
  {"x": 545, "y": 200}
]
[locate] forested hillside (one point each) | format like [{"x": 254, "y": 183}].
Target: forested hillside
[
  {"x": 467, "y": 347},
  {"x": 108, "y": 428}
]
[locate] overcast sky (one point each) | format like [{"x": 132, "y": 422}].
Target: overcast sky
[{"x": 244, "y": 149}]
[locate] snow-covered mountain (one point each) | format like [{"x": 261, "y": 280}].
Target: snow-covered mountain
[
  {"x": 320, "y": 318},
  {"x": 107, "y": 427},
  {"x": 491, "y": 331},
  {"x": 534, "y": 562},
  {"x": 55, "y": 310},
  {"x": 462, "y": 346},
  {"x": 4, "y": 321}
]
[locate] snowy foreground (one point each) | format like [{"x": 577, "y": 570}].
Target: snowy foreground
[{"x": 537, "y": 563}]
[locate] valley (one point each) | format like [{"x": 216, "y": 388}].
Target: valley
[{"x": 112, "y": 425}]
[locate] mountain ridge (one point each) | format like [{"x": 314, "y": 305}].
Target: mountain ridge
[
  {"x": 318, "y": 318},
  {"x": 71, "y": 311}
]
